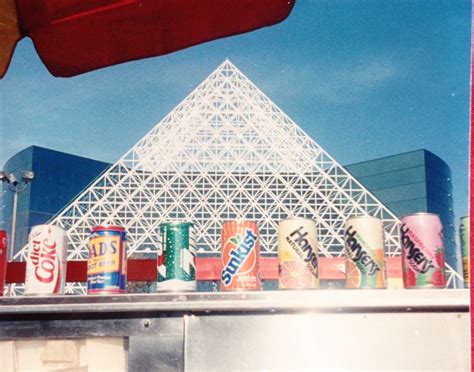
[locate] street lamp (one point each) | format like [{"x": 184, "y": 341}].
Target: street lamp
[{"x": 16, "y": 187}]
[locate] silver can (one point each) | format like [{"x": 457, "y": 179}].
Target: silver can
[{"x": 46, "y": 261}]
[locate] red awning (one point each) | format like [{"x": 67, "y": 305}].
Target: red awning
[{"x": 77, "y": 36}]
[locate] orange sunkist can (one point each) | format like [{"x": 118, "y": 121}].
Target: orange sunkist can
[{"x": 240, "y": 256}]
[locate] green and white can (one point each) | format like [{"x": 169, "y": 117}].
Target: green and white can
[
  {"x": 464, "y": 239},
  {"x": 176, "y": 257}
]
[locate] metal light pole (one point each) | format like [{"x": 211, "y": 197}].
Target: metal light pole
[{"x": 16, "y": 187}]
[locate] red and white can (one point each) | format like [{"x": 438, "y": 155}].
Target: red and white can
[
  {"x": 422, "y": 251},
  {"x": 240, "y": 256},
  {"x": 3, "y": 259},
  {"x": 46, "y": 261}
]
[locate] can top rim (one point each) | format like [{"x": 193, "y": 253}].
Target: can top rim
[
  {"x": 108, "y": 227},
  {"x": 297, "y": 218},
  {"x": 362, "y": 216},
  {"x": 238, "y": 220},
  {"x": 45, "y": 225},
  {"x": 176, "y": 223},
  {"x": 420, "y": 214}
]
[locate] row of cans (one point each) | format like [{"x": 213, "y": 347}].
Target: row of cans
[
  {"x": 421, "y": 238},
  {"x": 47, "y": 258},
  {"x": 423, "y": 256},
  {"x": 107, "y": 260}
]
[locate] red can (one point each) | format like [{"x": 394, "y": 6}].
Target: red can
[
  {"x": 240, "y": 256},
  {"x": 3, "y": 259}
]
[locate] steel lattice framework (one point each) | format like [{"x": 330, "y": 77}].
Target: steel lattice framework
[{"x": 226, "y": 151}]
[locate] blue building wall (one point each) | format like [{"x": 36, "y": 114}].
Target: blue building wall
[
  {"x": 417, "y": 181},
  {"x": 59, "y": 177}
]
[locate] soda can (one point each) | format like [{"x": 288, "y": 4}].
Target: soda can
[
  {"x": 107, "y": 263},
  {"x": 240, "y": 256},
  {"x": 364, "y": 244},
  {"x": 297, "y": 254},
  {"x": 464, "y": 239},
  {"x": 176, "y": 257},
  {"x": 46, "y": 261},
  {"x": 3, "y": 259},
  {"x": 422, "y": 251}
]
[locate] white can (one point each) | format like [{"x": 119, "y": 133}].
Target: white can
[
  {"x": 46, "y": 261},
  {"x": 364, "y": 243},
  {"x": 297, "y": 254}
]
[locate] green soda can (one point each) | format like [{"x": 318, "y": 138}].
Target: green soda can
[
  {"x": 464, "y": 239},
  {"x": 176, "y": 257}
]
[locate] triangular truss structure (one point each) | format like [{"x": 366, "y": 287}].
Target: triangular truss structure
[{"x": 225, "y": 152}]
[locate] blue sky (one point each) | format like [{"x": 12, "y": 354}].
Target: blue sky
[{"x": 365, "y": 79}]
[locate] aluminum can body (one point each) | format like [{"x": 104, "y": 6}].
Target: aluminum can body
[
  {"x": 176, "y": 257},
  {"x": 46, "y": 261},
  {"x": 464, "y": 239},
  {"x": 364, "y": 245},
  {"x": 107, "y": 263},
  {"x": 3, "y": 259},
  {"x": 240, "y": 256},
  {"x": 423, "y": 259},
  {"x": 297, "y": 254}
]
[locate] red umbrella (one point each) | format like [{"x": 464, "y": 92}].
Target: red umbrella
[{"x": 77, "y": 36}]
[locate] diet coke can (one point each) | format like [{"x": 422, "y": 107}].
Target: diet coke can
[
  {"x": 46, "y": 261},
  {"x": 240, "y": 256},
  {"x": 422, "y": 251},
  {"x": 3, "y": 259}
]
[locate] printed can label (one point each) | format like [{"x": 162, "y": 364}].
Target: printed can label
[
  {"x": 240, "y": 256},
  {"x": 422, "y": 251},
  {"x": 176, "y": 257},
  {"x": 464, "y": 239},
  {"x": 3, "y": 259},
  {"x": 364, "y": 244},
  {"x": 297, "y": 254},
  {"x": 107, "y": 263},
  {"x": 46, "y": 261}
]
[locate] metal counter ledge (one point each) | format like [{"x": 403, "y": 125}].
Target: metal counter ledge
[
  {"x": 323, "y": 301},
  {"x": 246, "y": 331}
]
